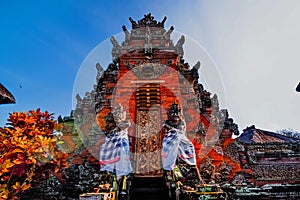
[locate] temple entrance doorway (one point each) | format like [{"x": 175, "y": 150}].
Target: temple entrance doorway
[{"x": 148, "y": 130}]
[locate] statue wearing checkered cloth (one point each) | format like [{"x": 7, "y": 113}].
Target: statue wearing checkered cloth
[
  {"x": 175, "y": 143},
  {"x": 114, "y": 152}
]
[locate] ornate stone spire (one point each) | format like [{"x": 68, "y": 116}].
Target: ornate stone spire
[
  {"x": 147, "y": 21},
  {"x": 147, "y": 35}
]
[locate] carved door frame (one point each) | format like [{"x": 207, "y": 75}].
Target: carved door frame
[{"x": 148, "y": 130}]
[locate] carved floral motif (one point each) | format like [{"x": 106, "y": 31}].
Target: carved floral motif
[
  {"x": 207, "y": 170},
  {"x": 222, "y": 172},
  {"x": 148, "y": 141},
  {"x": 276, "y": 172},
  {"x": 232, "y": 151}
]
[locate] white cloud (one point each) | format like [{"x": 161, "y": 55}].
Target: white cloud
[{"x": 255, "y": 45}]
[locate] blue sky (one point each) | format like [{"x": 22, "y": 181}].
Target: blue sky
[
  {"x": 43, "y": 44},
  {"x": 254, "y": 44}
]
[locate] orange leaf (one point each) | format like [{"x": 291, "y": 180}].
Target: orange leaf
[
  {"x": 33, "y": 160},
  {"x": 5, "y": 170},
  {"x": 5, "y": 196},
  {"x": 18, "y": 161},
  {"x": 17, "y": 150},
  {"x": 17, "y": 186},
  {"x": 7, "y": 164},
  {"x": 25, "y": 187}
]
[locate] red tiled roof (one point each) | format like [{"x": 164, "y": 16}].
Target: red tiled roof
[
  {"x": 260, "y": 136},
  {"x": 254, "y": 135}
]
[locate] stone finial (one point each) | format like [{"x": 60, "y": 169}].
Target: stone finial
[
  {"x": 99, "y": 72},
  {"x": 163, "y": 21},
  {"x": 127, "y": 34},
  {"x": 78, "y": 98},
  {"x": 180, "y": 42},
  {"x": 179, "y": 45},
  {"x": 197, "y": 65},
  {"x": 147, "y": 21},
  {"x": 114, "y": 41},
  {"x": 168, "y": 33},
  {"x": 133, "y": 23}
]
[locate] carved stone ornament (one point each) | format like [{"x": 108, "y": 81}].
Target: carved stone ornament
[
  {"x": 239, "y": 179},
  {"x": 207, "y": 170},
  {"x": 147, "y": 70},
  {"x": 276, "y": 172},
  {"x": 148, "y": 142},
  {"x": 147, "y": 21},
  {"x": 232, "y": 151}
]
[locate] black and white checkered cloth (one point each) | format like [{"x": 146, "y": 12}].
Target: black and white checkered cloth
[
  {"x": 110, "y": 150},
  {"x": 176, "y": 145}
]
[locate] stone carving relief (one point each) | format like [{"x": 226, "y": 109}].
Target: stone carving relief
[
  {"x": 146, "y": 70},
  {"x": 232, "y": 151},
  {"x": 251, "y": 157},
  {"x": 276, "y": 172},
  {"x": 222, "y": 172},
  {"x": 239, "y": 179},
  {"x": 148, "y": 141},
  {"x": 207, "y": 170}
]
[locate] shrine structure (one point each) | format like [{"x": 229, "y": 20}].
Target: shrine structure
[{"x": 148, "y": 76}]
